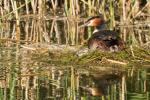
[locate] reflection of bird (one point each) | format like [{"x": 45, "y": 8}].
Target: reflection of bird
[
  {"x": 98, "y": 88},
  {"x": 103, "y": 39},
  {"x": 101, "y": 83},
  {"x": 94, "y": 91}
]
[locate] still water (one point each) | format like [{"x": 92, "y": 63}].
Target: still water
[{"x": 25, "y": 77}]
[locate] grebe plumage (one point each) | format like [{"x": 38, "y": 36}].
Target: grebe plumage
[{"x": 101, "y": 38}]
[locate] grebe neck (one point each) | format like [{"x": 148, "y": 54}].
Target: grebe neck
[{"x": 98, "y": 28}]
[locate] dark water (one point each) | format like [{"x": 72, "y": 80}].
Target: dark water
[{"x": 24, "y": 78}]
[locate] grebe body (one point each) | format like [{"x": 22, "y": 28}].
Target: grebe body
[
  {"x": 101, "y": 38},
  {"x": 106, "y": 40}
]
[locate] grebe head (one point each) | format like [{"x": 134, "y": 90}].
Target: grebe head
[{"x": 95, "y": 21}]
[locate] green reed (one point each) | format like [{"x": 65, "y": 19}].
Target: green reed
[
  {"x": 12, "y": 82},
  {"x": 112, "y": 20},
  {"x": 1, "y": 94}
]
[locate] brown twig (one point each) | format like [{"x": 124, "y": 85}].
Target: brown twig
[{"x": 114, "y": 61}]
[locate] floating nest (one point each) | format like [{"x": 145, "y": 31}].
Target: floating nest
[{"x": 64, "y": 55}]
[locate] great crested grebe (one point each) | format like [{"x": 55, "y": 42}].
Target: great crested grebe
[{"x": 101, "y": 38}]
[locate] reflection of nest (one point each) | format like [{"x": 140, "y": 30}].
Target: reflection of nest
[{"x": 98, "y": 71}]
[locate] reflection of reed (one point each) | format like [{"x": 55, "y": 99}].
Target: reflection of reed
[{"x": 35, "y": 80}]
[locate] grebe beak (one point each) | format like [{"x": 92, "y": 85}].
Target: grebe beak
[{"x": 83, "y": 25}]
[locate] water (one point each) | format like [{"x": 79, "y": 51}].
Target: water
[{"x": 23, "y": 76}]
